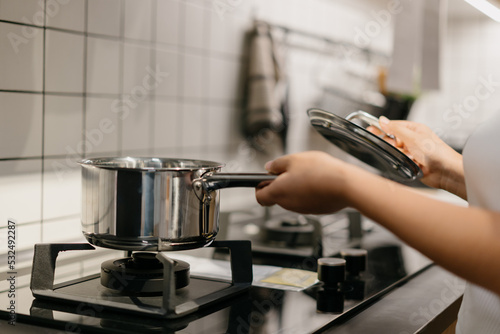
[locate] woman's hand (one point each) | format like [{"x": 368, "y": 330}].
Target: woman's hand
[
  {"x": 309, "y": 182},
  {"x": 441, "y": 165}
]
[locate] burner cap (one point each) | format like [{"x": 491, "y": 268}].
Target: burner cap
[
  {"x": 142, "y": 272},
  {"x": 145, "y": 260},
  {"x": 292, "y": 231}
]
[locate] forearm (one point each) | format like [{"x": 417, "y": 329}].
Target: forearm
[
  {"x": 452, "y": 176},
  {"x": 464, "y": 240}
]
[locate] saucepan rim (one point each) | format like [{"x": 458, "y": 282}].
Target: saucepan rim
[{"x": 150, "y": 164}]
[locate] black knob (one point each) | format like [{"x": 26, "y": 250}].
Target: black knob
[
  {"x": 331, "y": 271},
  {"x": 355, "y": 260},
  {"x": 329, "y": 301}
]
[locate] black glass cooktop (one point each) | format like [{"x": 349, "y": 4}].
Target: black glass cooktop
[{"x": 253, "y": 310}]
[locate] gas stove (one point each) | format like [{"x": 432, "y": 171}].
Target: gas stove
[
  {"x": 124, "y": 298},
  {"x": 144, "y": 283},
  {"x": 287, "y": 238}
]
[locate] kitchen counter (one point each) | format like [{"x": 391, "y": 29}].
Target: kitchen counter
[
  {"x": 425, "y": 304},
  {"x": 403, "y": 293}
]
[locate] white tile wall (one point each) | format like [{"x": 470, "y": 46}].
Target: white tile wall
[
  {"x": 103, "y": 124},
  {"x": 59, "y": 112},
  {"x": 136, "y": 134},
  {"x": 137, "y": 59},
  {"x": 21, "y": 119},
  {"x": 166, "y": 125},
  {"x": 63, "y": 230},
  {"x": 226, "y": 35},
  {"x": 92, "y": 57},
  {"x": 61, "y": 191},
  {"x": 195, "y": 30},
  {"x": 104, "y": 17},
  {"x": 25, "y": 11},
  {"x": 21, "y": 191},
  {"x": 138, "y": 19},
  {"x": 193, "y": 130},
  {"x": 167, "y": 22},
  {"x": 21, "y": 54},
  {"x": 167, "y": 61},
  {"x": 103, "y": 66},
  {"x": 224, "y": 119},
  {"x": 225, "y": 78},
  {"x": 68, "y": 14},
  {"x": 194, "y": 76},
  {"x": 64, "y": 62},
  {"x": 28, "y": 235}
]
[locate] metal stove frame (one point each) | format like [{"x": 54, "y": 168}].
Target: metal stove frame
[{"x": 44, "y": 262}]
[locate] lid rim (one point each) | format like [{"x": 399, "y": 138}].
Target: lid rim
[{"x": 393, "y": 163}]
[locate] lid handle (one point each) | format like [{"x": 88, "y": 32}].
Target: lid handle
[{"x": 370, "y": 119}]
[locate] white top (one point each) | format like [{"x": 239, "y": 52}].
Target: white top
[{"x": 480, "y": 310}]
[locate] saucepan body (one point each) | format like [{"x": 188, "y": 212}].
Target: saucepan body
[{"x": 156, "y": 204}]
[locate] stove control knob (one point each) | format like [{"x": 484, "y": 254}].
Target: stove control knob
[
  {"x": 355, "y": 260},
  {"x": 331, "y": 271},
  {"x": 330, "y": 301}
]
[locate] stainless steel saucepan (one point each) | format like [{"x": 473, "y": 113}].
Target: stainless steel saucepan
[{"x": 156, "y": 204}]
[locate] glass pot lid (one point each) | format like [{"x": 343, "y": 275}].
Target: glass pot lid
[{"x": 364, "y": 145}]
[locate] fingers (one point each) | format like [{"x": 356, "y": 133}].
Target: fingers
[
  {"x": 265, "y": 193},
  {"x": 263, "y": 198},
  {"x": 277, "y": 166},
  {"x": 377, "y": 132},
  {"x": 399, "y": 129},
  {"x": 263, "y": 184},
  {"x": 409, "y": 136}
]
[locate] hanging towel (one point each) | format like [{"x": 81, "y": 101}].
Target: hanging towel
[{"x": 265, "y": 113}]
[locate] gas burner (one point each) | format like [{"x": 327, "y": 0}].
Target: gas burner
[
  {"x": 289, "y": 231},
  {"x": 292, "y": 236},
  {"x": 141, "y": 273}
]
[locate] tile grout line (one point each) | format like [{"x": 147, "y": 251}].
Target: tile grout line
[
  {"x": 84, "y": 88},
  {"x": 84, "y": 78},
  {"x": 180, "y": 76},
  {"x": 207, "y": 21},
  {"x": 44, "y": 60},
  {"x": 63, "y": 156},
  {"x": 121, "y": 65},
  {"x": 189, "y": 49},
  {"x": 191, "y": 100},
  {"x": 153, "y": 60}
]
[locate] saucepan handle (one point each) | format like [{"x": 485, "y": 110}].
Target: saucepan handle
[
  {"x": 217, "y": 181},
  {"x": 214, "y": 181}
]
